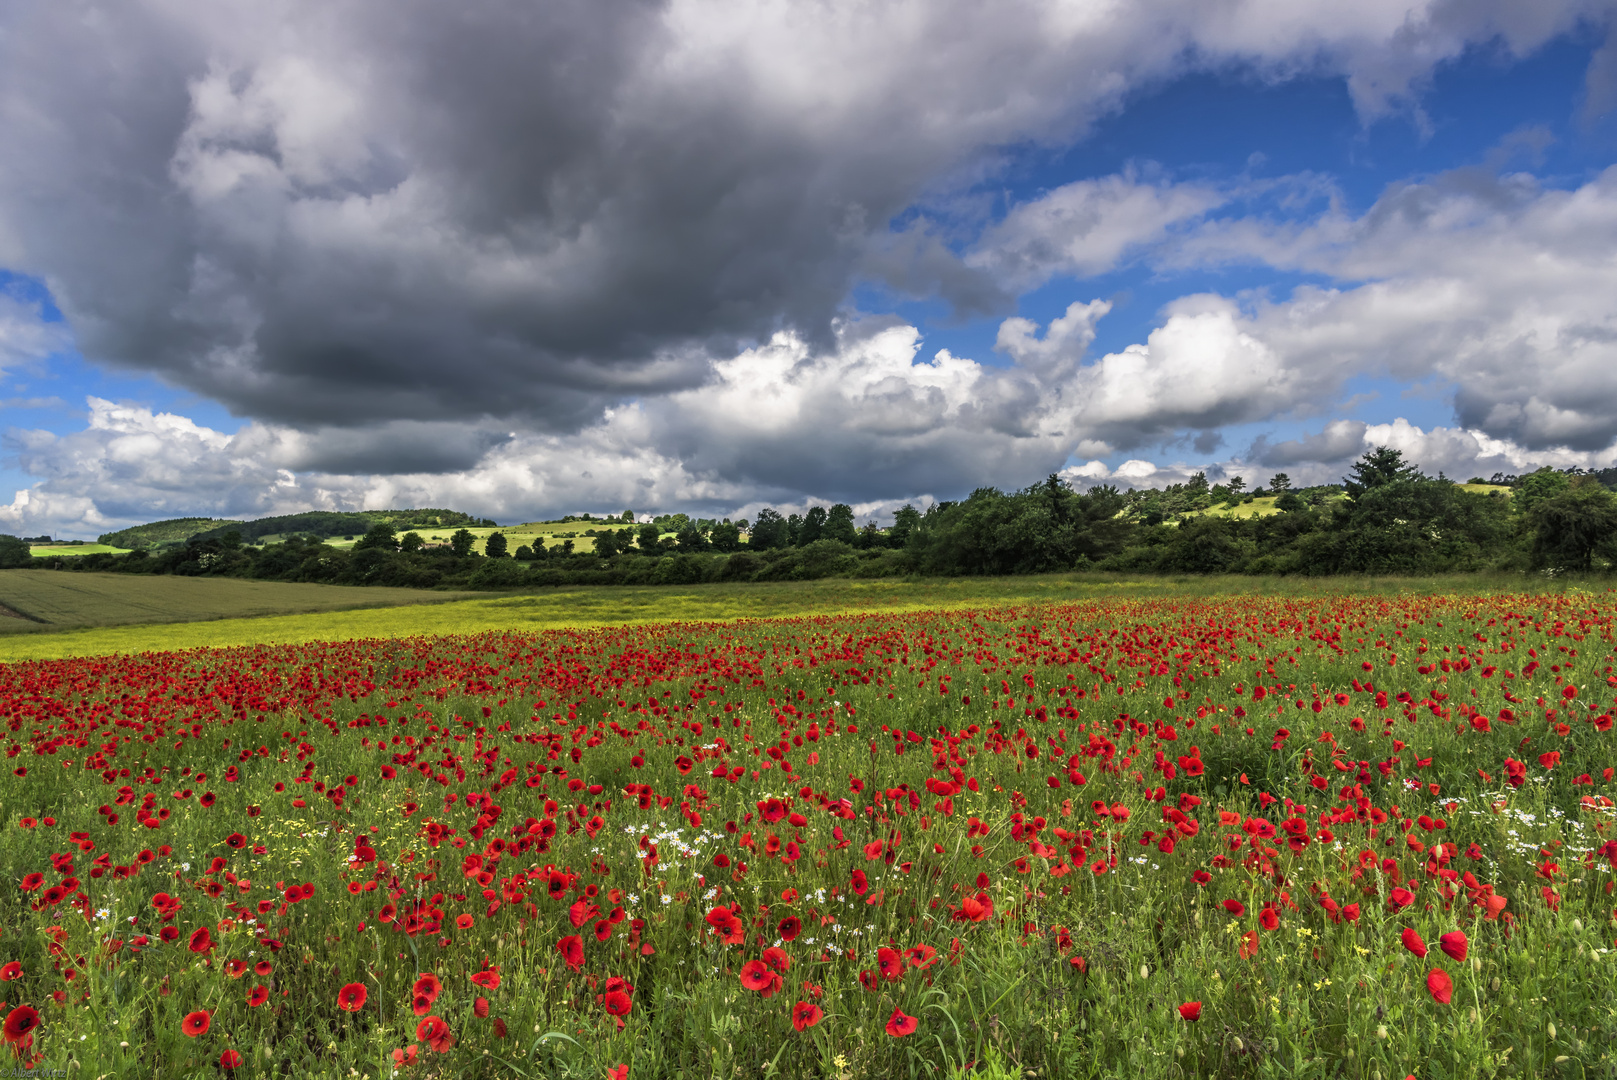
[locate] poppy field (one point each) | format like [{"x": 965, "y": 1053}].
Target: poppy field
[{"x": 1333, "y": 836}]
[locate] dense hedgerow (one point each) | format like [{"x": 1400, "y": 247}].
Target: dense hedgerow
[{"x": 1335, "y": 837}]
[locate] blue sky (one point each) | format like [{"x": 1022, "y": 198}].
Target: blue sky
[
  {"x": 1483, "y": 110},
  {"x": 630, "y": 282}
]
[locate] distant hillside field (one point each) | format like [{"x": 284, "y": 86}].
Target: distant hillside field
[
  {"x": 42, "y": 551},
  {"x": 34, "y": 601},
  {"x": 157, "y": 533},
  {"x": 322, "y": 523}
]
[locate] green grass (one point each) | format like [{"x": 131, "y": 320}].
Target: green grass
[
  {"x": 1256, "y": 508},
  {"x": 249, "y": 613},
  {"x": 53, "y": 605}
]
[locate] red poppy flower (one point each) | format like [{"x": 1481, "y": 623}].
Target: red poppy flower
[
  {"x": 1249, "y": 945},
  {"x": 892, "y": 968},
  {"x": 777, "y": 959},
  {"x": 977, "y": 908},
  {"x": 861, "y": 883},
  {"x": 899, "y": 1025},
  {"x": 11, "y": 971},
  {"x": 236, "y": 840},
  {"x": 435, "y": 1033},
  {"x": 755, "y": 975},
  {"x": 1235, "y": 907},
  {"x": 1413, "y": 942},
  {"x": 1191, "y": 1010},
  {"x": 1440, "y": 986},
  {"x": 352, "y": 997},
  {"x": 805, "y": 1015},
  {"x": 921, "y": 956},
  {"x": 789, "y": 928},
  {"x": 236, "y": 968},
  {"x": 621, "y": 1072},
  {"x": 30, "y": 882},
  {"x": 464, "y": 922},
  {"x": 196, "y": 1023},
  {"x": 1402, "y": 897},
  {"x": 617, "y": 1003},
  {"x": 1455, "y": 944},
  {"x": 1269, "y": 918},
  {"x": 229, "y": 1060},
  {"x": 405, "y": 1056},
  {"x": 572, "y": 951},
  {"x": 725, "y": 924},
  {"x": 581, "y": 912},
  {"x": 480, "y": 1008},
  {"x": 263, "y": 967},
  {"x": 20, "y": 1023},
  {"x": 257, "y": 996},
  {"x": 427, "y": 986},
  {"x": 201, "y": 941},
  {"x": 488, "y": 980}
]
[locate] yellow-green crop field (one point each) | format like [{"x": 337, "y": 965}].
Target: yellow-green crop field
[
  {"x": 42, "y": 551},
  {"x": 250, "y": 612}
]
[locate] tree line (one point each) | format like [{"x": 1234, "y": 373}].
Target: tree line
[{"x": 1385, "y": 517}]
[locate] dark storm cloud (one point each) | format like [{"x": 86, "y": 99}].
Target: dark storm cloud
[{"x": 1339, "y": 441}]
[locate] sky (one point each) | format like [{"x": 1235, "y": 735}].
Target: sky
[{"x": 524, "y": 259}]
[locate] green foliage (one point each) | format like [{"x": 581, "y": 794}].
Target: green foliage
[
  {"x": 725, "y": 537},
  {"x": 689, "y": 540},
  {"x": 1536, "y": 487},
  {"x": 1574, "y": 525},
  {"x": 812, "y": 526},
  {"x": 1378, "y": 468},
  {"x": 769, "y": 531},
  {"x": 382, "y": 536},
  {"x": 839, "y": 524},
  {"x": 14, "y": 552},
  {"x": 1039, "y": 529},
  {"x": 495, "y": 547},
  {"x": 462, "y": 543}
]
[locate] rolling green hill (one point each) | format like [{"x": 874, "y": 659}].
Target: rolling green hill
[
  {"x": 321, "y": 523},
  {"x": 159, "y": 533}
]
